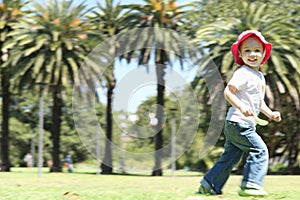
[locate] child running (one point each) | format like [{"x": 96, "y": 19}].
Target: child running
[{"x": 245, "y": 92}]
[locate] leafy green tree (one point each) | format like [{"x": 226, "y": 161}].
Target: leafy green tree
[
  {"x": 71, "y": 142},
  {"x": 24, "y": 110},
  {"x": 10, "y": 11},
  {"x": 52, "y": 43},
  {"x": 22, "y": 127}
]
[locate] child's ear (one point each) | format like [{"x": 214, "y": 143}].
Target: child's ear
[{"x": 240, "y": 55}]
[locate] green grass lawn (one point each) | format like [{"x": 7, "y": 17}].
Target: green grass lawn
[{"x": 23, "y": 184}]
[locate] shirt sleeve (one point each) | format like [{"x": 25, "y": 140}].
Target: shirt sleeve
[{"x": 238, "y": 80}]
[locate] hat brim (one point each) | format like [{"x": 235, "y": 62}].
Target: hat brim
[{"x": 235, "y": 48}]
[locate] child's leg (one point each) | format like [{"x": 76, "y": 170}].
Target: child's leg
[
  {"x": 217, "y": 176},
  {"x": 256, "y": 166}
]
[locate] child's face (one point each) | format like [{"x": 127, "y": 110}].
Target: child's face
[{"x": 251, "y": 51}]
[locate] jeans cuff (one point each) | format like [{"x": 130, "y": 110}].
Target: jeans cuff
[
  {"x": 207, "y": 186},
  {"x": 247, "y": 184}
]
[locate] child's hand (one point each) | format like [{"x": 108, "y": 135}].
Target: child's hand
[
  {"x": 246, "y": 111},
  {"x": 276, "y": 116}
]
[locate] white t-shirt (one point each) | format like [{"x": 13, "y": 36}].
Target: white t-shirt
[{"x": 250, "y": 85}]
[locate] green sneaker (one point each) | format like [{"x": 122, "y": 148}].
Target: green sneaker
[
  {"x": 203, "y": 190},
  {"x": 252, "y": 192}
]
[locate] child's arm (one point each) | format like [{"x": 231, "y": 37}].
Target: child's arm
[
  {"x": 274, "y": 115},
  {"x": 230, "y": 96}
]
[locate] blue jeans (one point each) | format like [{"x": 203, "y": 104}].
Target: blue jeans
[{"x": 240, "y": 138}]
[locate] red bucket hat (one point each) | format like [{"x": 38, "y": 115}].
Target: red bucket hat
[{"x": 243, "y": 36}]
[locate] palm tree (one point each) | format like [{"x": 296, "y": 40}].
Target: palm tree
[
  {"x": 52, "y": 43},
  {"x": 10, "y": 11},
  {"x": 169, "y": 16},
  {"x": 109, "y": 21},
  {"x": 282, "y": 71}
]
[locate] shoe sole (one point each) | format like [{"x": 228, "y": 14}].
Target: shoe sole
[{"x": 252, "y": 192}]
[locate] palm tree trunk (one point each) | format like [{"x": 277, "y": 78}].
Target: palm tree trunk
[
  {"x": 5, "y": 164},
  {"x": 160, "y": 74},
  {"x": 55, "y": 131},
  {"x": 106, "y": 165}
]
